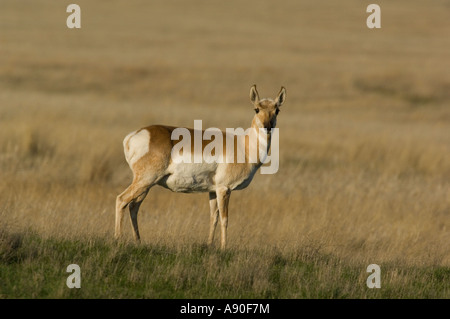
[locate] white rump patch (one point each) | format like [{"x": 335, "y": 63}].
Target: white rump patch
[{"x": 136, "y": 145}]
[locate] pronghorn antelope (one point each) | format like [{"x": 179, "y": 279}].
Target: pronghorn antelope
[{"x": 148, "y": 152}]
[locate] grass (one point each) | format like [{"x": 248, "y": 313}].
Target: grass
[
  {"x": 364, "y": 148},
  {"x": 35, "y": 267}
]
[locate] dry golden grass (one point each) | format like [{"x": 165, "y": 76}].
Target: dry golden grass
[{"x": 364, "y": 133}]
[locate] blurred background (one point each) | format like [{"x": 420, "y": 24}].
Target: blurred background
[{"x": 364, "y": 132}]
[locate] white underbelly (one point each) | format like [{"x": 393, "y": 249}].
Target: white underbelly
[{"x": 190, "y": 177}]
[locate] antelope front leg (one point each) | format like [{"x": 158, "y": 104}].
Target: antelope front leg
[
  {"x": 223, "y": 198},
  {"x": 213, "y": 215}
]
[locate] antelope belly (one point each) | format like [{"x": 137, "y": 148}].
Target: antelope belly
[{"x": 190, "y": 177}]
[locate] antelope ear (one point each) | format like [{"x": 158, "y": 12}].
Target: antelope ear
[
  {"x": 281, "y": 97},
  {"x": 254, "y": 96}
]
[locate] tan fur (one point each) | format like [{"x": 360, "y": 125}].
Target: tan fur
[{"x": 155, "y": 167}]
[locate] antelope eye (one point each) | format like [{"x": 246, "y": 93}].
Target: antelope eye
[
  {"x": 257, "y": 111},
  {"x": 277, "y": 111}
]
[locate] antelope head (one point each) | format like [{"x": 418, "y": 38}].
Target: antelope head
[{"x": 266, "y": 109}]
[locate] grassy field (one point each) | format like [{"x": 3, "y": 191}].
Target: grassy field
[
  {"x": 364, "y": 172},
  {"x": 32, "y": 267}
]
